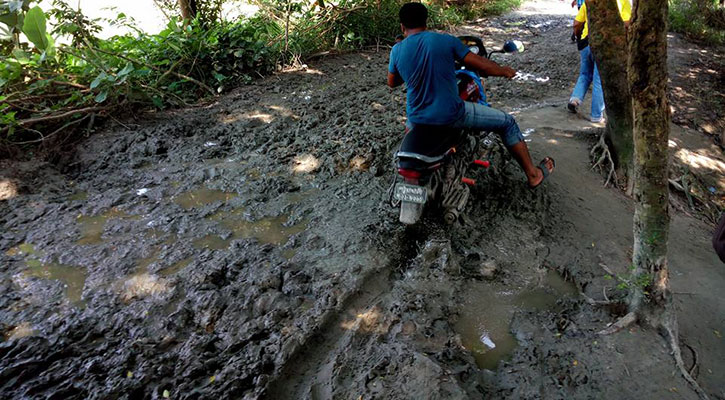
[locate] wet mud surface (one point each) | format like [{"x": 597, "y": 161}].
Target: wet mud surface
[{"x": 246, "y": 249}]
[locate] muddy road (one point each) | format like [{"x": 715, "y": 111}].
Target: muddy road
[{"x": 245, "y": 249}]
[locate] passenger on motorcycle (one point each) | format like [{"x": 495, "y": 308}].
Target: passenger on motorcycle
[{"x": 426, "y": 61}]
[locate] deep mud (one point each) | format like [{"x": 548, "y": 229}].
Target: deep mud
[{"x": 245, "y": 249}]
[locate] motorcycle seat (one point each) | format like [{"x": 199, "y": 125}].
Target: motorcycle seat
[{"x": 426, "y": 145}]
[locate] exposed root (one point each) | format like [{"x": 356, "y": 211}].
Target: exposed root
[
  {"x": 593, "y": 302},
  {"x": 670, "y": 331},
  {"x": 605, "y": 156},
  {"x": 623, "y": 322},
  {"x": 677, "y": 353},
  {"x": 695, "y": 363}
]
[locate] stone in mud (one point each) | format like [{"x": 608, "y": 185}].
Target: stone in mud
[{"x": 488, "y": 269}]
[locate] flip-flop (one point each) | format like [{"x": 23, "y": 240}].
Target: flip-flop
[{"x": 544, "y": 170}]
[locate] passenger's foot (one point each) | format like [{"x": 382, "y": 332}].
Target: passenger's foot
[
  {"x": 573, "y": 104},
  {"x": 546, "y": 167},
  {"x": 597, "y": 120}
]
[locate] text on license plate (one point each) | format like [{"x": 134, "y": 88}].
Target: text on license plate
[{"x": 411, "y": 193}]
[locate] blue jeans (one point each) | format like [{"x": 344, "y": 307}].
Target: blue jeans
[
  {"x": 483, "y": 118},
  {"x": 589, "y": 74}
]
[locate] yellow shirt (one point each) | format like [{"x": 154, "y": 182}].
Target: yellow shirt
[{"x": 625, "y": 11}]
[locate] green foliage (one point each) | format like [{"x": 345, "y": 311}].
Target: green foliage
[
  {"x": 34, "y": 27},
  {"x": 46, "y": 87},
  {"x": 175, "y": 67},
  {"x": 702, "y": 20}
]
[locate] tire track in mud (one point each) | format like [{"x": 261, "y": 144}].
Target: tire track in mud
[{"x": 315, "y": 357}]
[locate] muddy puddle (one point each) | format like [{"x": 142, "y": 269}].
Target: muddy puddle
[
  {"x": 489, "y": 307},
  {"x": 92, "y": 227},
  {"x": 201, "y": 197},
  {"x": 272, "y": 230},
  {"x": 73, "y": 278}
]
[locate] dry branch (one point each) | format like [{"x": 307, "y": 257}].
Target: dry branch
[{"x": 31, "y": 121}]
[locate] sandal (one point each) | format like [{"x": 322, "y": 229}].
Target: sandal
[{"x": 544, "y": 170}]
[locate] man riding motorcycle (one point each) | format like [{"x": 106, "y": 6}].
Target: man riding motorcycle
[{"x": 426, "y": 60}]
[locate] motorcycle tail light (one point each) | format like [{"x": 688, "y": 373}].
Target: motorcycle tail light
[
  {"x": 482, "y": 163},
  {"x": 409, "y": 173}
]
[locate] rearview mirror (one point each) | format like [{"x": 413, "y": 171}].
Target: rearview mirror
[{"x": 513, "y": 46}]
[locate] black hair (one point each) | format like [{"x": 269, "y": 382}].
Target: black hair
[{"x": 413, "y": 15}]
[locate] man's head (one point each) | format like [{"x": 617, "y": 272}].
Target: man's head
[{"x": 413, "y": 16}]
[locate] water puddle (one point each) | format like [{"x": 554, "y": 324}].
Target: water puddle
[
  {"x": 73, "y": 278},
  {"x": 266, "y": 230},
  {"x": 78, "y": 196},
  {"x": 92, "y": 227},
  {"x": 271, "y": 230},
  {"x": 487, "y": 311},
  {"x": 176, "y": 267},
  {"x": 211, "y": 242},
  {"x": 201, "y": 197},
  {"x": 23, "y": 249}
]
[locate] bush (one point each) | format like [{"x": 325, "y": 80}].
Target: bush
[
  {"x": 701, "y": 20},
  {"x": 46, "y": 89}
]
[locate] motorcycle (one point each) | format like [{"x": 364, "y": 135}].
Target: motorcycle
[{"x": 433, "y": 162}]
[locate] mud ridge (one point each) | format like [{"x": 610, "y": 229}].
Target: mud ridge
[{"x": 296, "y": 380}]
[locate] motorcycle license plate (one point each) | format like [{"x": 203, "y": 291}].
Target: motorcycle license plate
[{"x": 410, "y": 193}]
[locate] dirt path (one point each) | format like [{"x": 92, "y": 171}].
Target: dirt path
[{"x": 245, "y": 249}]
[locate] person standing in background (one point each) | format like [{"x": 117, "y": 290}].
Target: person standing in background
[{"x": 588, "y": 72}]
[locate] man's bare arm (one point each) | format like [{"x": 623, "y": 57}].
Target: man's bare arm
[
  {"x": 486, "y": 66},
  {"x": 394, "y": 80},
  {"x": 578, "y": 27}
]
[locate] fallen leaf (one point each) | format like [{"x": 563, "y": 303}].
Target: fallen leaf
[
  {"x": 212, "y": 378},
  {"x": 129, "y": 374},
  {"x": 717, "y": 333},
  {"x": 166, "y": 394},
  {"x": 575, "y": 363}
]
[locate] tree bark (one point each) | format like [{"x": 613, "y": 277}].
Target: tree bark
[
  {"x": 647, "y": 65},
  {"x": 188, "y": 10},
  {"x": 608, "y": 40}
]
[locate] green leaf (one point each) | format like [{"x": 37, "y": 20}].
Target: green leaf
[
  {"x": 126, "y": 70},
  {"x": 34, "y": 28},
  {"x": 158, "y": 102},
  {"x": 21, "y": 56},
  {"x": 101, "y": 97},
  {"x": 50, "y": 50},
  {"x": 100, "y": 78}
]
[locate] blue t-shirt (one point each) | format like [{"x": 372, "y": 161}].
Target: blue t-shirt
[{"x": 426, "y": 62}]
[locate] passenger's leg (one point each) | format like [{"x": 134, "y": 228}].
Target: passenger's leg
[{"x": 483, "y": 118}]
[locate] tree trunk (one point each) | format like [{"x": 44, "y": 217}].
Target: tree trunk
[
  {"x": 188, "y": 10},
  {"x": 608, "y": 40},
  {"x": 647, "y": 65}
]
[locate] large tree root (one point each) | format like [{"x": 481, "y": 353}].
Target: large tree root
[
  {"x": 670, "y": 333},
  {"x": 605, "y": 155},
  {"x": 622, "y": 323},
  {"x": 677, "y": 354}
]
